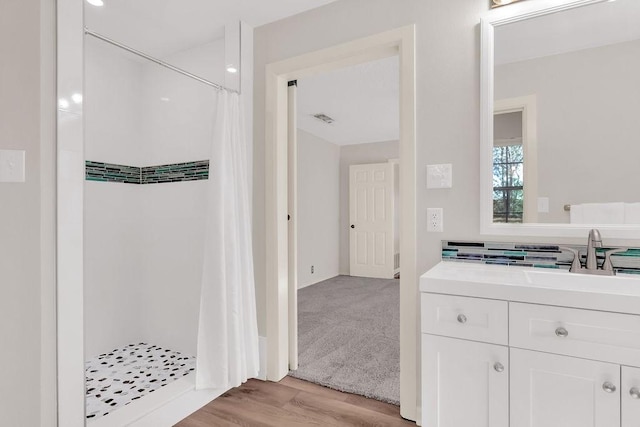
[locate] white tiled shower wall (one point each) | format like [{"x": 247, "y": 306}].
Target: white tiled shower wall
[{"x": 143, "y": 244}]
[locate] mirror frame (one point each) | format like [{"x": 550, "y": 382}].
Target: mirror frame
[{"x": 502, "y": 16}]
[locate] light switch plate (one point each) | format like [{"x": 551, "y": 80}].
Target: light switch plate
[
  {"x": 543, "y": 205},
  {"x": 439, "y": 176},
  {"x": 12, "y": 165}
]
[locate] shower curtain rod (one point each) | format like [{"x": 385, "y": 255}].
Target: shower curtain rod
[{"x": 157, "y": 61}]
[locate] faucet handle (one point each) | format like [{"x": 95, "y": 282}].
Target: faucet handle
[
  {"x": 575, "y": 264},
  {"x": 608, "y": 265}
]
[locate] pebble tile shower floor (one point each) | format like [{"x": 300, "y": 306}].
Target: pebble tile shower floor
[{"x": 126, "y": 374}]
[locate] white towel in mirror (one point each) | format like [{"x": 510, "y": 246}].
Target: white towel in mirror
[
  {"x": 632, "y": 213},
  {"x": 598, "y": 213}
]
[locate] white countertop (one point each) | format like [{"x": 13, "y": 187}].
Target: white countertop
[{"x": 535, "y": 285}]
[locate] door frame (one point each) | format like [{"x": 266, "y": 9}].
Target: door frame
[{"x": 400, "y": 42}]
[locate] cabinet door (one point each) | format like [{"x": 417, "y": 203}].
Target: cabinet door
[
  {"x": 630, "y": 397},
  {"x": 548, "y": 390},
  {"x": 464, "y": 383}
]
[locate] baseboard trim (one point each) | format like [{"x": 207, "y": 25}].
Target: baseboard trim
[{"x": 315, "y": 282}]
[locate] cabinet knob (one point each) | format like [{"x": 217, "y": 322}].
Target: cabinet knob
[
  {"x": 635, "y": 393},
  {"x": 462, "y": 318},
  {"x": 609, "y": 387},
  {"x": 562, "y": 332},
  {"x": 499, "y": 367}
]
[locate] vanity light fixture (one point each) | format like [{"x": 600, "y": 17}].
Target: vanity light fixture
[
  {"x": 96, "y": 2},
  {"x": 498, "y": 3}
]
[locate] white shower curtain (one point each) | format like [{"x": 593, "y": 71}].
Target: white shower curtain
[{"x": 228, "y": 332}]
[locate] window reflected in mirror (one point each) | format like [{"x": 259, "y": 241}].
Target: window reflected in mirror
[{"x": 508, "y": 168}]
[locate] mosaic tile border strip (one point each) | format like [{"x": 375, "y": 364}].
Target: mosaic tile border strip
[
  {"x": 176, "y": 172},
  {"x": 109, "y": 172},
  {"x": 533, "y": 255},
  {"x": 191, "y": 171}
]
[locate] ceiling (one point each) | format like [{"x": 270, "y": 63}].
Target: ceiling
[
  {"x": 576, "y": 29},
  {"x": 162, "y": 27},
  {"x": 364, "y": 101}
]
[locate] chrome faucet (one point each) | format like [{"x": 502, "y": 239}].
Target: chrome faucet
[
  {"x": 591, "y": 264},
  {"x": 595, "y": 241}
]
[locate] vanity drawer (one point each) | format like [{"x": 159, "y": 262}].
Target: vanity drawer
[
  {"x": 467, "y": 318},
  {"x": 598, "y": 335}
]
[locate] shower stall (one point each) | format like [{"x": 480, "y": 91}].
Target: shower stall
[{"x": 149, "y": 115}]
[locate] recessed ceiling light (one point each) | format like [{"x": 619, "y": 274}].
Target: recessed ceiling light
[
  {"x": 95, "y": 2},
  {"x": 232, "y": 69},
  {"x": 77, "y": 98},
  {"x": 165, "y": 99}
]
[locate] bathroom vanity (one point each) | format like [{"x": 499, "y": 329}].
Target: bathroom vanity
[{"x": 525, "y": 347}]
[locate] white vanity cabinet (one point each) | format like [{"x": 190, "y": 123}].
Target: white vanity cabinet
[
  {"x": 549, "y": 390},
  {"x": 468, "y": 383},
  {"x": 499, "y": 355},
  {"x": 630, "y": 390}
]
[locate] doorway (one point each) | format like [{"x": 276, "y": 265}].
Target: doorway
[
  {"x": 343, "y": 212},
  {"x": 281, "y": 316}
]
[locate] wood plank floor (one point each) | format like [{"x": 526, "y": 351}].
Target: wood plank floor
[{"x": 293, "y": 402}]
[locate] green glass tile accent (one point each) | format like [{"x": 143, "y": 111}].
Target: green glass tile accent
[
  {"x": 539, "y": 255},
  {"x": 178, "y": 172}
]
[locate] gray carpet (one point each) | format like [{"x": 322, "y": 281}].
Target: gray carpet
[{"x": 348, "y": 336}]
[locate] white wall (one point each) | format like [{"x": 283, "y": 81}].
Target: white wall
[
  {"x": 177, "y": 130},
  {"x": 447, "y": 106},
  {"x": 318, "y": 209},
  {"x": 21, "y": 242},
  {"x": 358, "y": 154},
  {"x": 588, "y": 108},
  {"x": 113, "y": 249}
]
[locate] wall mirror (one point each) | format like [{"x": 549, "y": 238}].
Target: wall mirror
[{"x": 561, "y": 119}]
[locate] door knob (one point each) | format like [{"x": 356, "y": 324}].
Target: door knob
[
  {"x": 609, "y": 387},
  {"x": 635, "y": 393},
  {"x": 499, "y": 367},
  {"x": 353, "y": 226},
  {"x": 462, "y": 318}
]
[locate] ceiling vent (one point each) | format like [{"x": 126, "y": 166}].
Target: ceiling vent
[{"x": 324, "y": 118}]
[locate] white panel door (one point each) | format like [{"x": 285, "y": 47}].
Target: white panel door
[
  {"x": 371, "y": 220},
  {"x": 548, "y": 390},
  {"x": 465, "y": 383},
  {"x": 293, "y": 227},
  {"x": 630, "y": 392}
]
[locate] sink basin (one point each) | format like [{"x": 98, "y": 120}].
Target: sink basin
[
  {"x": 535, "y": 285},
  {"x": 581, "y": 282}
]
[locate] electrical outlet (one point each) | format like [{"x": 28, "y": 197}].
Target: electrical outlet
[
  {"x": 312, "y": 269},
  {"x": 435, "y": 220}
]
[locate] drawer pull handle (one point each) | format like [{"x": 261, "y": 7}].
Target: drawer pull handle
[
  {"x": 635, "y": 393},
  {"x": 609, "y": 387},
  {"x": 499, "y": 367},
  {"x": 462, "y": 318},
  {"x": 562, "y": 332}
]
